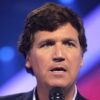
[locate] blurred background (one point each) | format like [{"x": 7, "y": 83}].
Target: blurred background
[{"x": 14, "y": 78}]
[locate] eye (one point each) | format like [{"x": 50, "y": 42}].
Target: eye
[
  {"x": 47, "y": 44},
  {"x": 69, "y": 43}
]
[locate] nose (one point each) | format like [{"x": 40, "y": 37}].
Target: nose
[{"x": 58, "y": 55}]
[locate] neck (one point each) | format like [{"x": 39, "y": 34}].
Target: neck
[{"x": 43, "y": 93}]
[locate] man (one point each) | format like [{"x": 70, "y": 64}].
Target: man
[{"x": 53, "y": 44}]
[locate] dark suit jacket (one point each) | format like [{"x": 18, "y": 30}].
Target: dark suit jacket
[{"x": 29, "y": 96}]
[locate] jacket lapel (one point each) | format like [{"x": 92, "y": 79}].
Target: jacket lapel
[
  {"x": 28, "y": 96},
  {"x": 80, "y": 97}
]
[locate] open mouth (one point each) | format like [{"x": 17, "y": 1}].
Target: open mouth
[{"x": 58, "y": 69}]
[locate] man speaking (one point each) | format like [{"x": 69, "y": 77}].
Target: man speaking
[{"x": 53, "y": 43}]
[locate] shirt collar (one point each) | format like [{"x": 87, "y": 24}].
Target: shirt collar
[
  {"x": 34, "y": 96},
  {"x": 75, "y": 94}
]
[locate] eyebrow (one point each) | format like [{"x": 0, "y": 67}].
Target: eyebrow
[
  {"x": 70, "y": 39},
  {"x": 46, "y": 40},
  {"x": 52, "y": 40}
]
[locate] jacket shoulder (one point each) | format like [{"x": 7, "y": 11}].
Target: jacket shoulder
[
  {"x": 20, "y": 96},
  {"x": 80, "y": 97},
  {"x": 12, "y": 97}
]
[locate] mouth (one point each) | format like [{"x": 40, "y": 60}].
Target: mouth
[{"x": 58, "y": 69}]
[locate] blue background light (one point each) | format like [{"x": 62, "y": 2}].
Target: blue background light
[
  {"x": 66, "y": 1},
  {"x": 6, "y": 53}
]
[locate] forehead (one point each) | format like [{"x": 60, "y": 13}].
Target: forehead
[{"x": 65, "y": 31}]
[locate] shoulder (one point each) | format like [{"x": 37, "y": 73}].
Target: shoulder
[
  {"x": 12, "y": 97},
  {"x": 20, "y": 96}
]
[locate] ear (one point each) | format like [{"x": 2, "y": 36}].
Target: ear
[
  {"x": 82, "y": 62},
  {"x": 28, "y": 64}
]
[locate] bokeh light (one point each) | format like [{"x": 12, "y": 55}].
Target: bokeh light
[
  {"x": 6, "y": 53},
  {"x": 66, "y": 1}
]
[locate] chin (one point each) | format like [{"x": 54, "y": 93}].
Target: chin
[{"x": 58, "y": 84}]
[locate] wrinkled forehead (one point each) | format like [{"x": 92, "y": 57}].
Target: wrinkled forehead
[{"x": 65, "y": 31}]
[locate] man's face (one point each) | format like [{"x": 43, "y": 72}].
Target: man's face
[{"x": 56, "y": 57}]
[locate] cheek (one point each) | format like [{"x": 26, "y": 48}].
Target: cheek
[
  {"x": 77, "y": 60},
  {"x": 43, "y": 56},
  {"x": 39, "y": 62},
  {"x": 75, "y": 56},
  {"x": 74, "y": 59},
  {"x": 76, "y": 65}
]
